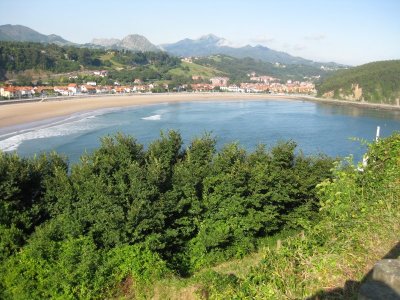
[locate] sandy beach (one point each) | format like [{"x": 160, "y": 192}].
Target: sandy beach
[{"x": 21, "y": 113}]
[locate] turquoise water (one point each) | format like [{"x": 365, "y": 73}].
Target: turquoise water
[{"x": 317, "y": 128}]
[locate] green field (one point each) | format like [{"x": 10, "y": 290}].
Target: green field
[{"x": 193, "y": 69}]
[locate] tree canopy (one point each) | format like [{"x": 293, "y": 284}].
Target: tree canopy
[
  {"x": 380, "y": 82},
  {"x": 126, "y": 211}
]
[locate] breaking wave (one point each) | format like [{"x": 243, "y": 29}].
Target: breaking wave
[
  {"x": 73, "y": 124},
  {"x": 152, "y": 118}
]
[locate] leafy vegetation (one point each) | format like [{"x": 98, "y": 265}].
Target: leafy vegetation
[
  {"x": 125, "y": 65},
  {"x": 126, "y": 214},
  {"x": 357, "y": 225},
  {"x": 17, "y": 56},
  {"x": 380, "y": 82},
  {"x": 130, "y": 222},
  {"x": 238, "y": 68}
]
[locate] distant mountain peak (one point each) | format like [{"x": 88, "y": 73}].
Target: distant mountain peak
[
  {"x": 211, "y": 44},
  {"x": 105, "y": 42},
  {"x": 210, "y": 36},
  {"x": 212, "y": 39},
  {"x": 133, "y": 42},
  {"x": 20, "y": 33}
]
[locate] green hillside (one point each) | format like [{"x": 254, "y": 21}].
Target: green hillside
[
  {"x": 21, "y": 58},
  {"x": 17, "y": 58},
  {"x": 193, "y": 69},
  {"x": 379, "y": 83},
  {"x": 238, "y": 68}
]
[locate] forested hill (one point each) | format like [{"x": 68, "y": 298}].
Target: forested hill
[
  {"x": 17, "y": 58},
  {"x": 238, "y": 68},
  {"x": 377, "y": 82}
]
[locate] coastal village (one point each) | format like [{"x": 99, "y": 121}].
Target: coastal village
[
  {"x": 255, "y": 84},
  {"x": 258, "y": 161}
]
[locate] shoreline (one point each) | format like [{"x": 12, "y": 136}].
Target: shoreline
[{"x": 13, "y": 115}]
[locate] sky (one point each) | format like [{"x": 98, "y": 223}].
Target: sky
[{"x": 351, "y": 32}]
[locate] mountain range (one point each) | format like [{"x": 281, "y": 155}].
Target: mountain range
[
  {"x": 19, "y": 33},
  {"x": 204, "y": 46},
  {"x": 210, "y": 44}
]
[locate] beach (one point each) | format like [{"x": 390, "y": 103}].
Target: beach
[{"x": 21, "y": 113}]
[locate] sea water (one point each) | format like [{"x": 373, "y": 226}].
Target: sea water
[{"x": 315, "y": 127}]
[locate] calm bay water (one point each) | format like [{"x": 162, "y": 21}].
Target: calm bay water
[{"x": 317, "y": 128}]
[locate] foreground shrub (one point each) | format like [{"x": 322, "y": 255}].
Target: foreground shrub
[{"x": 129, "y": 215}]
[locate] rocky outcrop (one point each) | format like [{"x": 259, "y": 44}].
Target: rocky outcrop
[
  {"x": 385, "y": 282},
  {"x": 355, "y": 95},
  {"x": 357, "y": 91},
  {"x": 133, "y": 42},
  {"x": 329, "y": 94}
]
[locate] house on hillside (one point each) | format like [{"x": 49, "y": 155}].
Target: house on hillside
[
  {"x": 264, "y": 79},
  {"x": 197, "y": 77},
  {"x": 102, "y": 73},
  {"x": 219, "y": 81}
]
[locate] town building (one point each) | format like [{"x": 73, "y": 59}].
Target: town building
[
  {"x": 219, "y": 81},
  {"x": 73, "y": 88}
]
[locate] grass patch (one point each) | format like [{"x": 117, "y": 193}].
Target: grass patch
[
  {"x": 193, "y": 69},
  {"x": 109, "y": 57}
]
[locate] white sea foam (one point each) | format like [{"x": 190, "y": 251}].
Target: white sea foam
[
  {"x": 152, "y": 118},
  {"x": 79, "y": 122},
  {"x": 68, "y": 126}
]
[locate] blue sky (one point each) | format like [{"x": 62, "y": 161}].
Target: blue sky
[{"x": 351, "y": 32}]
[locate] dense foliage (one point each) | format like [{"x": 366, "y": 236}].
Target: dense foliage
[
  {"x": 129, "y": 213},
  {"x": 358, "y": 225},
  {"x": 380, "y": 82},
  {"x": 238, "y": 68},
  {"x": 124, "y": 65},
  {"x": 18, "y": 56},
  {"x": 146, "y": 66}
]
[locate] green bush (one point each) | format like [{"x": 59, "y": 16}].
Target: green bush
[
  {"x": 359, "y": 211},
  {"x": 125, "y": 213}
]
